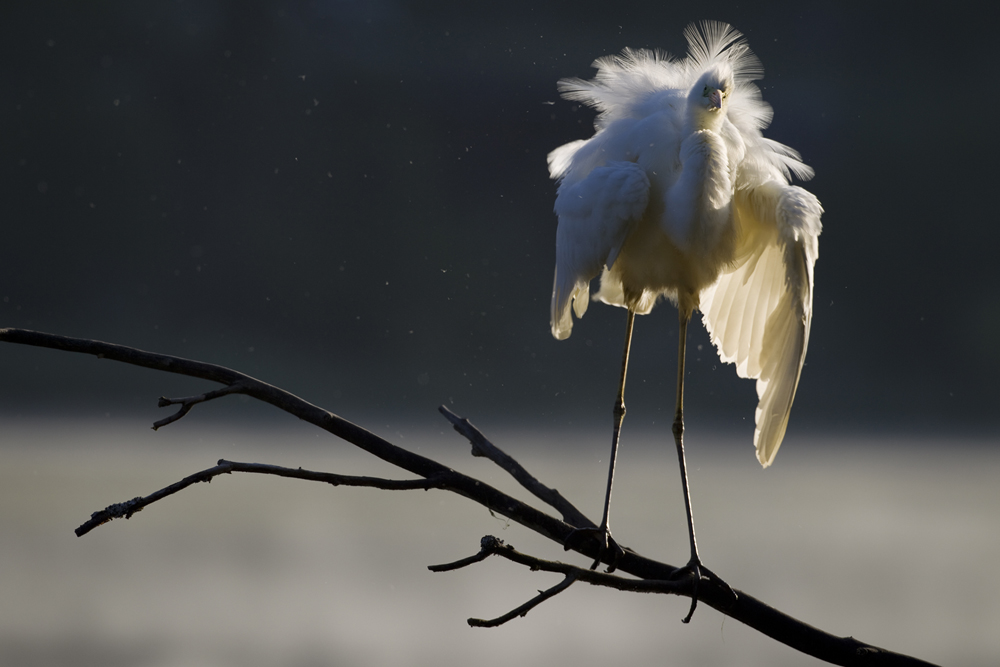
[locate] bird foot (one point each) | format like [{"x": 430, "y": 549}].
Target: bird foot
[
  {"x": 605, "y": 543},
  {"x": 697, "y": 571}
]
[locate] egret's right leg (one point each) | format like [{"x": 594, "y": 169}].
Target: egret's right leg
[
  {"x": 603, "y": 533},
  {"x": 694, "y": 568}
]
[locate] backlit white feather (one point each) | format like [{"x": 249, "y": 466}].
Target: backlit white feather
[{"x": 679, "y": 195}]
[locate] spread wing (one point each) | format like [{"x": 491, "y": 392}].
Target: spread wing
[
  {"x": 596, "y": 215},
  {"x": 759, "y": 312}
]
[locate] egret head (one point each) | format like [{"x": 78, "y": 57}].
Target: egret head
[{"x": 709, "y": 96}]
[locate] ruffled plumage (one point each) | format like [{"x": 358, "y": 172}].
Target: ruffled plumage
[{"x": 679, "y": 195}]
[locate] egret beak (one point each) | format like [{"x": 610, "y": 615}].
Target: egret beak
[{"x": 715, "y": 99}]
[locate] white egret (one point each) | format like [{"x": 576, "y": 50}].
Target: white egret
[{"x": 679, "y": 195}]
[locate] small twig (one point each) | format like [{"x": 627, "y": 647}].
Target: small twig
[
  {"x": 191, "y": 401},
  {"x": 526, "y": 607},
  {"x": 130, "y": 507},
  {"x": 486, "y": 550},
  {"x": 483, "y": 447}
]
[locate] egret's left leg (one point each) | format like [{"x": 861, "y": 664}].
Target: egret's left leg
[{"x": 606, "y": 543}]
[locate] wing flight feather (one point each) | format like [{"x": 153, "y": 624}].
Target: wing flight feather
[{"x": 759, "y": 312}]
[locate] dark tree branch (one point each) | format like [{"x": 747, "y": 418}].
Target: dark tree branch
[
  {"x": 485, "y": 552},
  {"x": 492, "y": 546},
  {"x": 224, "y": 467},
  {"x": 746, "y": 609},
  {"x": 524, "y": 608},
  {"x": 191, "y": 401}
]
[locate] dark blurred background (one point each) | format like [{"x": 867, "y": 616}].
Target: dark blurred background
[{"x": 350, "y": 200}]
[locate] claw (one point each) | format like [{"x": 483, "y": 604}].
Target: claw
[
  {"x": 605, "y": 543},
  {"x": 695, "y": 569}
]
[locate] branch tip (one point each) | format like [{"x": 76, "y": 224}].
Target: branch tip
[
  {"x": 481, "y": 446},
  {"x": 527, "y": 606},
  {"x": 488, "y": 546}
]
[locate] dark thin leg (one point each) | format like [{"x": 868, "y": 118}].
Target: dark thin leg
[
  {"x": 603, "y": 533},
  {"x": 619, "y": 415},
  {"x": 679, "y": 433},
  {"x": 694, "y": 567}
]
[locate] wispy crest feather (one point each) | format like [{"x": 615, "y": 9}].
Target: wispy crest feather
[
  {"x": 711, "y": 42},
  {"x": 623, "y": 82},
  {"x": 635, "y": 82}
]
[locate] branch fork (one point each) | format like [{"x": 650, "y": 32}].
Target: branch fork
[
  {"x": 191, "y": 401},
  {"x": 492, "y": 546}
]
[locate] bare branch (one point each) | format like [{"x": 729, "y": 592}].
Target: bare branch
[
  {"x": 485, "y": 552},
  {"x": 483, "y": 447},
  {"x": 846, "y": 651},
  {"x": 189, "y": 402},
  {"x": 526, "y": 607},
  {"x": 130, "y": 507},
  {"x": 493, "y": 546},
  {"x": 746, "y": 609},
  {"x": 433, "y": 482},
  {"x": 463, "y": 485}
]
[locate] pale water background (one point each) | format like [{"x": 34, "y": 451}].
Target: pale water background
[{"x": 894, "y": 540}]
